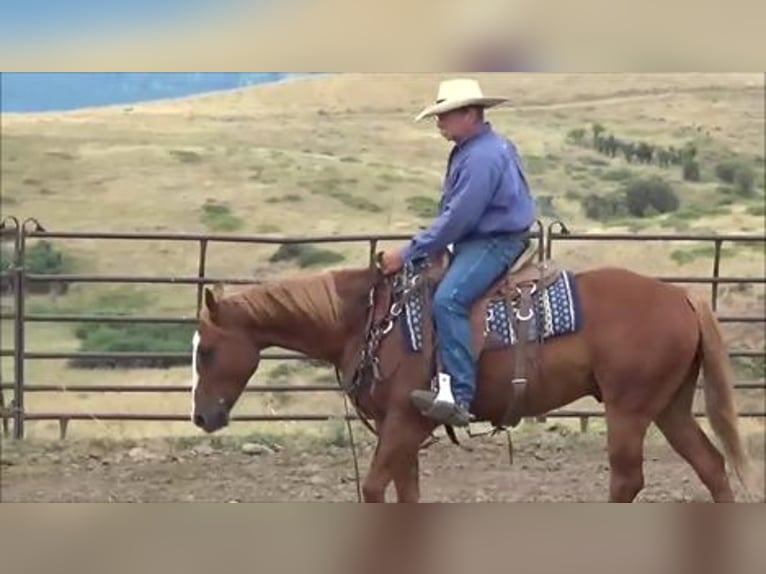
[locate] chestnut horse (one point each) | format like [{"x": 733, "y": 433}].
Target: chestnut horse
[{"x": 638, "y": 346}]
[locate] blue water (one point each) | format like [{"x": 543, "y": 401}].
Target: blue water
[
  {"x": 42, "y": 20},
  {"x": 60, "y": 91}
]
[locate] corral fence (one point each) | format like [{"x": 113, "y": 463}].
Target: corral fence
[{"x": 12, "y": 407}]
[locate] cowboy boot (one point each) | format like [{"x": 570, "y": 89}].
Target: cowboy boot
[
  {"x": 441, "y": 406},
  {"x": 442, "y": 412},
  {"x": 425, "y": 399}
]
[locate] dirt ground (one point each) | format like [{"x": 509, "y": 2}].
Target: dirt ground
[{"x": 551, "y": 463}]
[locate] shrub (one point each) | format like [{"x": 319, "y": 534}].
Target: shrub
[
  {"x": 135, "y": 338},
  {"x": 41, "y": 258},
  {"x": 744, "y": 180},
  {"x": 44, "y": 258},
  {"x": 6, "y": 265},
  {"x": 185, "y": 156},
  {"x": 287, "y": 198},
  {"x": 573, "y": 194},
  {"x": 691, "y": 170},
  {"x": 682, "y": 257},
  {"x": 737, "y": 172},
  {"x": 6, "y": 258},
  {"x": 534, "y": 165},
  {"x": 545, "y": 205},
  {"x": 576, "y": 136},
  {"x": 620, "y": 174},
  {"x": 726, "y": 170},
  {"x": 604, "y": 207},
  {"x": 647, "y": 196},
  {"x": 360, "y": 203},
  {"x": 305, "y": 255},
  {"x": 422, "y": 206},
  {"x": 218, "y": 217}
]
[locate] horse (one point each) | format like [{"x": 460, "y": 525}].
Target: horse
[{"x": 634, "y": 343}]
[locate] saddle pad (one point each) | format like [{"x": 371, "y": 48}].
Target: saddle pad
[{"x": 556, "y": 312}]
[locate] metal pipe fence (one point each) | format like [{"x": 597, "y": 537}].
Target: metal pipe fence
[{"x": 18, "y": 277}]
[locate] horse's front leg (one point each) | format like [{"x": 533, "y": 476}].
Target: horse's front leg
[
  {"x": 407, "y": 479},
  {"x": 396, "y": 458}
]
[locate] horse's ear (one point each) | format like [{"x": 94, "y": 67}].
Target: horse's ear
[{"x": 211, "y": 300}]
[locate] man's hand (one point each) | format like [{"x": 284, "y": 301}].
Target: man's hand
[{"x": 391, "y": 262}]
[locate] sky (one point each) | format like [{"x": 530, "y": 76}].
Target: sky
[{"x": 37, "y": 20}]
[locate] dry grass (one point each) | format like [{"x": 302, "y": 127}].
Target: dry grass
[{"x": 334, "y": 155}]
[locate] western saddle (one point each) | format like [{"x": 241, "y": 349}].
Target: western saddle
[
  {"x": 518, "y": 285},
  {"x": 523, "y": 279}
]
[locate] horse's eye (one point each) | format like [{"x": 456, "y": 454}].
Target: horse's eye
[{"x": 205, "y": 354}]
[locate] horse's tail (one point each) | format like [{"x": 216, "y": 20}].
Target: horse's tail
[{"x": 719, "y": 391}]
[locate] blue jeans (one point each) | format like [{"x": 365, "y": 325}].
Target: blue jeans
[{"x": 477, "y": 264}]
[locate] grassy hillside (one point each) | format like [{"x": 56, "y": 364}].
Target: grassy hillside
[{"x": 341, "y": 154}]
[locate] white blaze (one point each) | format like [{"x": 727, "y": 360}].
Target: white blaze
[{"x": 195, "y": 374}]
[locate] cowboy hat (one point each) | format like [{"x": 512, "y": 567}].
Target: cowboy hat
[{"x": 458, "y": 93}]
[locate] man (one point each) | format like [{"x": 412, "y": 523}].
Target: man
[{"x": 485, "y": 213}]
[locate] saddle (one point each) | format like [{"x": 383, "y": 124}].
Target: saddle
[
  {"x": 518, "y": 285},
  {"x": 525, "y": 278}
]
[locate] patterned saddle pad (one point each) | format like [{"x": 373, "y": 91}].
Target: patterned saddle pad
[{"x": 556, "y": 312}]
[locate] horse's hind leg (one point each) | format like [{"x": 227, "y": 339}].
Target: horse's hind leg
[
  {"x": 685, "y": 435},
  {"x": 625, "y": 442}
]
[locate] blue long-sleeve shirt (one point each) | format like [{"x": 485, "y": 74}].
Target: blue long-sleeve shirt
[{"x": 485, "y": 193}]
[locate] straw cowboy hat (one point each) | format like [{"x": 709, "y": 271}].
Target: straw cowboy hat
[{"x": 459, "y": 93}]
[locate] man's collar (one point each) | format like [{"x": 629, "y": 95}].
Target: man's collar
[{"x": 483, "y": 129}]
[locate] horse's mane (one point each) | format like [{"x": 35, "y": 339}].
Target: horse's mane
[{"x": 313, "y": 297}]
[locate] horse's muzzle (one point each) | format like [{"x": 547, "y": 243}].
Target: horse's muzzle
[{"x": 212, "y": 421}]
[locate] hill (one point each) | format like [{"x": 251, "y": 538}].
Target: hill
[
  {"x": 341, "y": 154},
  {"x": 345, "y": 150}
]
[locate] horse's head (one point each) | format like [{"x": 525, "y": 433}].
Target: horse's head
[{"x": 225, "y": 356}]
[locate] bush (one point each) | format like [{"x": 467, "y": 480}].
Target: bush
[
  {"x": 356, "y": 202},
  {"x": 44, "y": 258},
  {"x": 545, "y": 205},
  {"x": 604, "y": 207},
  {"x": 287, "y": 198},
  {"x": 691, "y": 170},
  {"x": 6, "y": 265},
  {"x": 41, "y": 258},
  {"x": 186, "y": 156},
  {"x": 737, "y": 172},
  {"x": 744, "y": 180},
  {"x": 620, "y": 174},
  {"x": 218, "y": 217},
  {"x": 422, "y": 206},
  {"x": 576, "y": 136},
  {"x": 534, "y": 165},
  {"x": 305, "y": 255},
  {"x": 6, "y": 258},
  {"x": 648, "y": 196},
  {"x": 135, "y": 338},
  {"x": 726, "y": 170}
]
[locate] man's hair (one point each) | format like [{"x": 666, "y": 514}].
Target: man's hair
[{"x": 479, "y": 112}]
